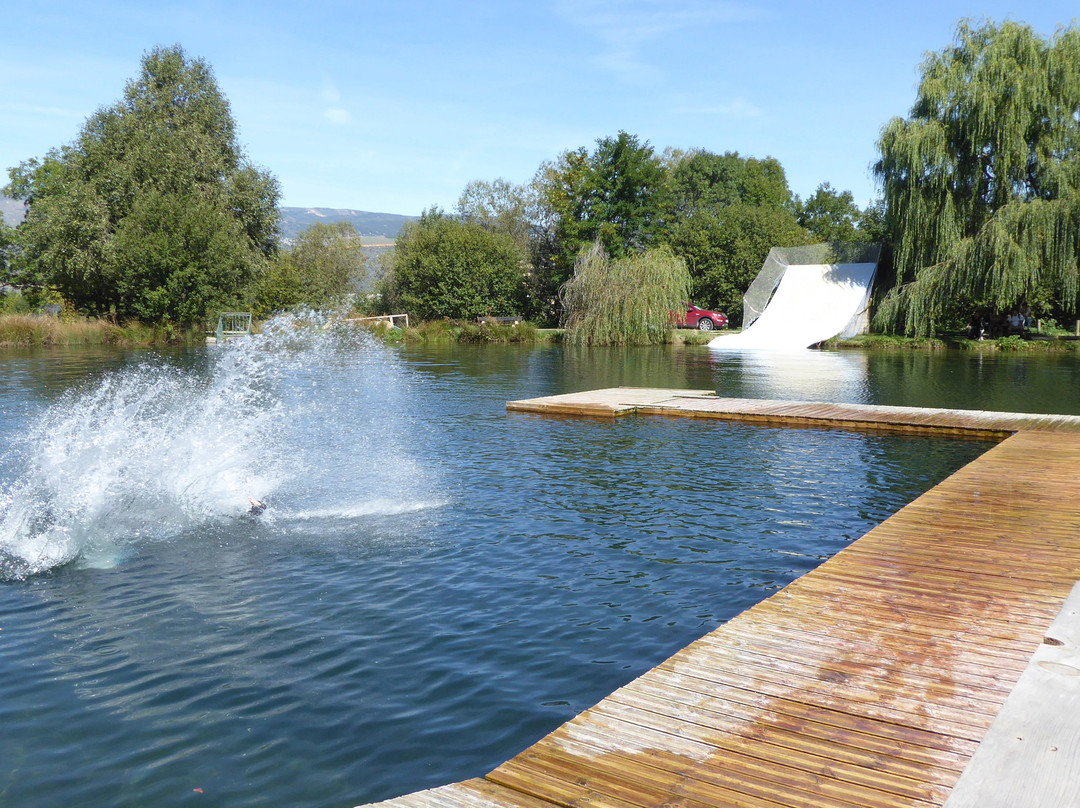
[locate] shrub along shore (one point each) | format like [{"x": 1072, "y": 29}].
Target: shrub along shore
[
  {"x": 1035, "y": 343},
  {"x": 31, "y": 330},
  {"x": 463, "y": 331}
]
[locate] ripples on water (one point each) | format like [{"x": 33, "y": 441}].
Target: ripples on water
[{"x": 434, "y": 586}]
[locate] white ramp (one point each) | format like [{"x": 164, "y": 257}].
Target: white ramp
[{"x": 812, "y": 303}]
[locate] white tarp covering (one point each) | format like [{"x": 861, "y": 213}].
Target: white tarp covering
[{"x": 813, "y": 303}]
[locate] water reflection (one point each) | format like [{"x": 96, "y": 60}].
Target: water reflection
[
  {"x": 796, "y": 375},
  {"x": 976, "y": 381}
]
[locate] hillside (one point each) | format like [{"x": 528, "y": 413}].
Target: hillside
[{"x": 386, "y": 225}]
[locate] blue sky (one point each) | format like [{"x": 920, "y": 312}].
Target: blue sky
[{"x": 395, "y": 106}]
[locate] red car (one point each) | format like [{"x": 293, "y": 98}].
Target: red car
[{"x": 701, "y": 319}]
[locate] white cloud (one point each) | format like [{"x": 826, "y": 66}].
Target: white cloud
[{"x": 337, "y": 116}]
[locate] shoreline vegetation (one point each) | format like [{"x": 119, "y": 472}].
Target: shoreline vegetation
[
  {"x": 38, "y": 330},
  {"x": 1032, "y": 343},
  {"x": 41, "y": 330}
]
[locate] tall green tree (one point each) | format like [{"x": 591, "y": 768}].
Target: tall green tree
[
  {"x": 153, "y": 211},
  {"x": 444, "y": 267},
  {"x": 981, "y": 181},
  {"x": 728, "y": 212},
  {"x": 7, "y": 247},
  {"x": 519, "y": 212},
  {"x": 330, "y": 261},
  {"x": 871, "y": 226},
  {"x": 830, "y": 215},
  {"x": 702, "y": 180},
  {"x": 500, "y": 206},
  {"x": 616, "y": 194}
]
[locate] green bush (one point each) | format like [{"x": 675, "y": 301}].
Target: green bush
[
  {"x": 443, "y": 267},
  {"x": 1013, "y": 343},
  {"x": 15, "y": 303},
  {"x": 497, "y": 332}
]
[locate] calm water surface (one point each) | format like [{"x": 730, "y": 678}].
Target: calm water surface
[{"x": 434, "y": 585}]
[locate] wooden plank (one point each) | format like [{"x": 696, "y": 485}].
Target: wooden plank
[
  {"x": 611, "y": 402},
  {"x": 778, "y": 758},
  {"x": 704, "y": 404},
  {"x": 1030, "y": 756},
  {"x": 477, "y": 793},
  {"x": 813, "y": 734}
]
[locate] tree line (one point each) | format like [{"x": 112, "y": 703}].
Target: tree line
[
  {"x": 719, "y": 214},
  {"x": 155, "y": 212}
]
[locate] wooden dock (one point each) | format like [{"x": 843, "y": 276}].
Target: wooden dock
[
  {"x": 870, "y": 681},
  {"x": 620, "y": 401}
]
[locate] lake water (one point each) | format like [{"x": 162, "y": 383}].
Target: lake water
[{"x": 435, "y": 584}]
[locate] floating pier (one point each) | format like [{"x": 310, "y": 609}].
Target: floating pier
[
  {"x": 933, "y": 661},
  {"x": 619, "y": 401}
]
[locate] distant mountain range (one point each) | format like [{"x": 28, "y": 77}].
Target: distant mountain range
[
  {"x": 384, "y": 225},
  {"x": 376, "y": 229}
]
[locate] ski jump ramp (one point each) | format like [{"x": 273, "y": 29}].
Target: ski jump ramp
[{"x": 806, "y": 295}]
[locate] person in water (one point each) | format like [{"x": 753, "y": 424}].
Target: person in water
[{"x": 256, "y": 507}]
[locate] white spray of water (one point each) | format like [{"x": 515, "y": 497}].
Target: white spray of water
[{"x": 297, "y": 416}]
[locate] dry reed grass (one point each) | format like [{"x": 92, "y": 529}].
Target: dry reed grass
[{"x": 27, "y": 330}]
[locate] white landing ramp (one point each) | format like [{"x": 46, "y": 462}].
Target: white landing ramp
[{"x": 813, "y": 303}]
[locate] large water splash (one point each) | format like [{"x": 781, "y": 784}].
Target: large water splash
[{"x": 304, "y": 416}]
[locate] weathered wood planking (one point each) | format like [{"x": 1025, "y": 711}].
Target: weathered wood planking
[
  {"x": 1031, "y": 754},
  {"x": 612, "y": 402},
  {"x": 869, "y": 681},
  {"x": 619, "y": 401}
]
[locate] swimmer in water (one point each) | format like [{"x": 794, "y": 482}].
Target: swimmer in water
[{"x": 256, "y": 507}]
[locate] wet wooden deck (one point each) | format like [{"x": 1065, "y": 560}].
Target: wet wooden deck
[
  {"x": 869, "y": 681},
  {"x": 620, "y": 401}
]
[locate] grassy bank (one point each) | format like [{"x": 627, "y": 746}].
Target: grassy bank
[
  {"x": 462, "y": 331},
  {"x": 686, "y": 336},
  {"x": 1035, "y": 343},
  {"x": 28, "y": 330}
]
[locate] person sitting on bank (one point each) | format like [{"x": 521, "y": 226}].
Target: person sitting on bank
[
  {"x": 1027, "y": 321},
  {"x": 996, "y": 325},
  {"x": 1015, "y": 322},
  {"x": 974, "y": 326}
]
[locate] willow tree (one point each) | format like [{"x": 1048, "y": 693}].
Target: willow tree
[
  {"x": 623, "y": 301},
  {"x": 982, "y": 181}
]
